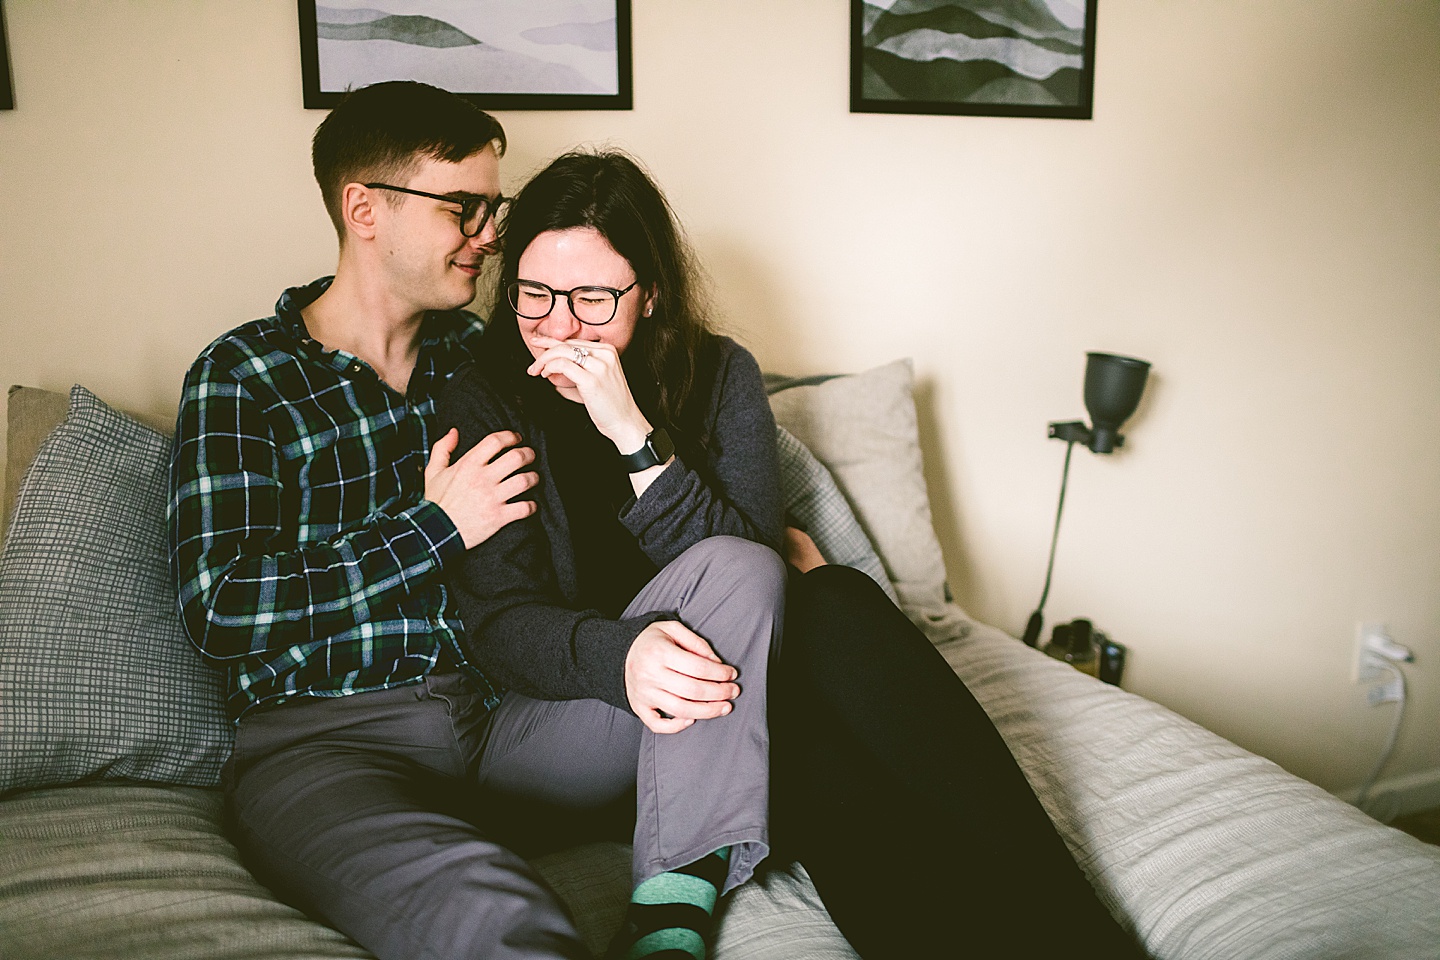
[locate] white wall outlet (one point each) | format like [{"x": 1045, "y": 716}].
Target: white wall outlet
[
  {"x": 1390, "y": 691},
  {"x": 1362, "y": 669}
]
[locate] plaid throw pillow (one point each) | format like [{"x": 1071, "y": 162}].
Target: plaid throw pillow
[
  {"x": 97, "y": 678},
  {"x": 814, "y": 504}
]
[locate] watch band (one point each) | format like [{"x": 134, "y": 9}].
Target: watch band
[{"x": 656, "y": 450}]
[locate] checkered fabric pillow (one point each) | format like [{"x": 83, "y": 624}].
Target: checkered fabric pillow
[
  {"x": 814, "y": 504},
  {"x": 97, "y": 678}
]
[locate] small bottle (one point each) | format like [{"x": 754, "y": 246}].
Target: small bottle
[{"x": 1082, "y": 648}]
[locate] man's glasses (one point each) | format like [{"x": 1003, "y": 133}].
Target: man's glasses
[
  {"x": 592, "y": 306},
  {"x": 474, "y": 211}
]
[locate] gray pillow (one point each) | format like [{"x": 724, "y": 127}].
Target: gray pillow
[
  {"x": 814, "y": 504},
  {"x": 97, "y": 678}
]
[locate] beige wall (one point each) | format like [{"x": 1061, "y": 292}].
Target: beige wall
[{"x": 1255, "y": 208}]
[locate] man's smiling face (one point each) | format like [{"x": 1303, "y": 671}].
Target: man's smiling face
[{"x": 429, "y": 261}]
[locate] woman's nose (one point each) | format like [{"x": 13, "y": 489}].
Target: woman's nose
[{"x": 560, "y": 323}]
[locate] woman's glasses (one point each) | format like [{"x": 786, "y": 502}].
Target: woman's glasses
[{"x": 592, "y": 306}]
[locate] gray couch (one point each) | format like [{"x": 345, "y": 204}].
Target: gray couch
[{"x": 111, "y": 735}]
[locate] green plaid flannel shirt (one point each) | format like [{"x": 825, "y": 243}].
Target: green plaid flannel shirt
[{"x": 306, "y": 559}]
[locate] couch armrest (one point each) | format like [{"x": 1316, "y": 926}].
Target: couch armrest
[{"x": 32, "y": 414}]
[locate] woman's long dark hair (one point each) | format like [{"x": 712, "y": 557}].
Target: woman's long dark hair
[{"x": 609, "y": 192}]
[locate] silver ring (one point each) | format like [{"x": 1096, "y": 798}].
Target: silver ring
[{"x": 580, "y": 353}]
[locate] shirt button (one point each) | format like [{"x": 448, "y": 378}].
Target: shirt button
[{"x": 354, "y": 368}]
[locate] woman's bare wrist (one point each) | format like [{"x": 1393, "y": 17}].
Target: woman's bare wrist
[{"x": 631, "y": 437}]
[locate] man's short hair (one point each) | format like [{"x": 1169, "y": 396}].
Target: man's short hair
[{"x": 382, "y": 131}]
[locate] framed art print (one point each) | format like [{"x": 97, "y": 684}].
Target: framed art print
[
  {"x": 7, "y": 92},
  {"x": 502, "y": 54},
  {"x": 996, "y": 58}
]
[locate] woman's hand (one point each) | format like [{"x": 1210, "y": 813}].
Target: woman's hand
[
  {"x": 600, "y": 380},
  {"x": 673, "y": 678},
  {"x": 801, "y": 552}
]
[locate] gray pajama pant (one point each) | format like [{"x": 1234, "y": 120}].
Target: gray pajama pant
[{"x": 348, "y": 808}]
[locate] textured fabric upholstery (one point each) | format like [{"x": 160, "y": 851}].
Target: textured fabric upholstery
[
  {"x": 132, "y": 871},
  {"x": 140, "y": 872},
  {"x": 1204, "y": 850}
]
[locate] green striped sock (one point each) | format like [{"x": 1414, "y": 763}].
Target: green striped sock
[{"x": 669, "y": 915}]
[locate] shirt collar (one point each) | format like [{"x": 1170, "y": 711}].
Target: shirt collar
[
  {"x": 439, "y": 325},
  {"x": 295, "y": 299}
]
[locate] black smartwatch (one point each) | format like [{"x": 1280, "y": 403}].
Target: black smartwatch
[{"x": 657, "y": 449}]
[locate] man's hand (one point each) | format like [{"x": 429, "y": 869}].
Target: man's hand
[
  {"x": 673, "y": 678},
  {"x": 475, "y": 492}
]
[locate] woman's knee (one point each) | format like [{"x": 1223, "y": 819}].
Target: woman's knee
[
  {"x": 741, "y": 566},
  {"x": 732, "y": 592}
]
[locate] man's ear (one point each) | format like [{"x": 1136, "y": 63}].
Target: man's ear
[{"x": 357, "y": 210}]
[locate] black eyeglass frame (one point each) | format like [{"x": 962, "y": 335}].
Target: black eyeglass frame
[
  {"x": 569, "y": 296},
  {"x": 485, "y": 205}
]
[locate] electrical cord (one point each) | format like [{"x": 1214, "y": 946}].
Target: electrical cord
[
  {"x": 1037, "y": 619},
  {"x": 1363, "y": 797}
]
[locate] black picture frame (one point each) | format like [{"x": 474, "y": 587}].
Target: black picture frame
[
  {"x": 1050, "y": 70},
  {"x": 7, "y": 91},
  {"x": 440, "y": 36}
]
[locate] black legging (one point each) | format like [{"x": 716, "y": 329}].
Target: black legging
[{"x": 893, "y": 788}]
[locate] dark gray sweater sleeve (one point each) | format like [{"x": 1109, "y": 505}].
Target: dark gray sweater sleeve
[
  {"x": 518, "y": 626},
  {"x": 738, "y": 494}
]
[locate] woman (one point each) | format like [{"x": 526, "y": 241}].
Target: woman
[{"x": 653, "y": 434}]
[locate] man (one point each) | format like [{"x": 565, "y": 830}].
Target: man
[
  {"x": 377, "y": 776},
  {"x": 309, "y": 534}
]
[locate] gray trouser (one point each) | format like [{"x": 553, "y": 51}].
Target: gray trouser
[{"x": 349, "y": 808}]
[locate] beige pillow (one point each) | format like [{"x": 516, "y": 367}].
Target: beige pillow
[
  {"x": 31, "y": 415},
  {"x": 863, "y": 428}
]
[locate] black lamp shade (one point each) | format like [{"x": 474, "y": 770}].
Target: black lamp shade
[{"x": 1113, "y": 385}]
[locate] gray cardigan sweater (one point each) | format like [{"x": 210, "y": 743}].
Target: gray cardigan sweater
[{"x": 517, "y": 591}]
